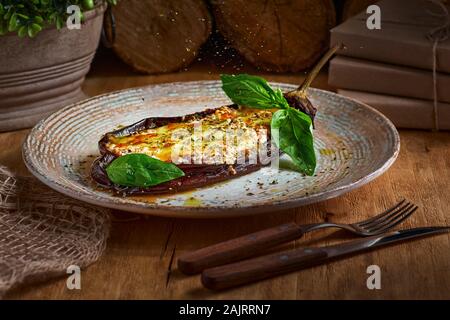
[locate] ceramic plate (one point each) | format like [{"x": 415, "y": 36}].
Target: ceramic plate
[{"x": 354, "y": 144}]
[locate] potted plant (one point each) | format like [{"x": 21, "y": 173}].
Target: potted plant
[{"x": 43, "y": 62}]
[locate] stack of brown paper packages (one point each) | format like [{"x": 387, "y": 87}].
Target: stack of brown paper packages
[{"x": 402, "y": 69}]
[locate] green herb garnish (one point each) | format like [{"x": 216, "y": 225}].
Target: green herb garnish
[
  {"x": 291, "y": 128},
  {"x": 140, "y": 170},
  {"x": 295, "y": 138},
  {"x": 252, "y": 91}
]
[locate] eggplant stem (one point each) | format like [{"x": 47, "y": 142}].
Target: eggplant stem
[{"x": 315, "y": 71}]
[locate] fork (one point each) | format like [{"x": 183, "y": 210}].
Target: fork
[{"x": 258, "y": 242}]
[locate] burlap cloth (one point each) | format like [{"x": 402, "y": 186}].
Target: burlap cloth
[{"x": 43, "y": 232}]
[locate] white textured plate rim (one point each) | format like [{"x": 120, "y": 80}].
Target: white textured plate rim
[{"x": 208, "y": 212}]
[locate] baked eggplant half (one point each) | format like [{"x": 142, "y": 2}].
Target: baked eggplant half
[
  {"x": 172, "y": 154},
  {"x": 158, "y": 137}
]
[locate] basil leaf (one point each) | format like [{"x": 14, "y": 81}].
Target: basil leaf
[
  {"x": 140, "y": 170},
  {"x": 252, "y": 91},
  {"x": 291, "y": 128},
  {"x": 291, "y": 131}
]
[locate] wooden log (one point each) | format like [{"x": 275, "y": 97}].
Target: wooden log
[
  {"x": 155, "y": 36},
  {"x": 353, "y": 7},
  {"x": 283, "y": 35}
]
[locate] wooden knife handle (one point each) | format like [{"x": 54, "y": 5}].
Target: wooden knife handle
[
  {"x": 247, "y": 271},
  {"x": 238, "y": 248}
]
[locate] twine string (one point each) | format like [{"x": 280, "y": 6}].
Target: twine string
[{"x": 438, "y": 35}]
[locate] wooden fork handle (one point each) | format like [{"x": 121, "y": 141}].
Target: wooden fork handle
[
  {"x": 247, "y": 271},
  {"x": 238, "y": 248}
]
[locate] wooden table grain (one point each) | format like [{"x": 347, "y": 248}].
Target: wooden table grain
[{"x": 140, "y": 260}]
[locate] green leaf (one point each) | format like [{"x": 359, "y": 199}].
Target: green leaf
[
  {"x": 34, "y": 29},
  {"x": 140, "y": 170},
  {"x": 252, "y": 91},
  {"x": 20, "y": 15},
  {"x": 13, "y": 23},
  {"x": 59, "y": 23},
  {"x": 292, "y": 133},
  {"x": 22, "y": 31},
  {"x": 39, "y": 19},
  {"x": 88, "y": 4},
  {"x": 8, "y": 14},
  {"x": 291, "y": 128}
]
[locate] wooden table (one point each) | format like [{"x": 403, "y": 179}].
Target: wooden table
[{"x": 140, "y": 261}]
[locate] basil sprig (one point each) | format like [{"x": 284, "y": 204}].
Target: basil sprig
[
  {"x": 291, "y": 128},
  {"x": 140, "y": 170},
  {"x": 252, "y": 91},
  {"x": 294, "y": 137}
]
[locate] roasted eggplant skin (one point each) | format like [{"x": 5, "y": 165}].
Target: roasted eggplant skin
[{"x": 195, "y": 175}]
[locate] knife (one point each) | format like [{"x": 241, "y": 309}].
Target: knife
[{"x": 251, "y": 270}]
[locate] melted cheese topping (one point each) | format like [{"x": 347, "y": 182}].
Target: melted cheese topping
[{"x": 224, "y": 136}]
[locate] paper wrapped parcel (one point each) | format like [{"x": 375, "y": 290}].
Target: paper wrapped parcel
[
  {"x": 375, "y": 77},
  {"x": 402, "y": 38},
  {"x": 404, "y": 112}
]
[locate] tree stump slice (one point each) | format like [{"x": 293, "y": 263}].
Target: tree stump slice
[
  {"x": 277, "y": 35},
  {"x": 156, "y": 36}
]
